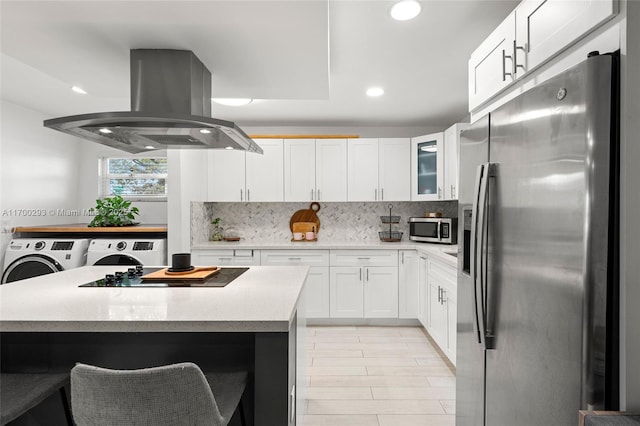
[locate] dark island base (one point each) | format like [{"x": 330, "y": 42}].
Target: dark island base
[{"x": 269, "y": 357}]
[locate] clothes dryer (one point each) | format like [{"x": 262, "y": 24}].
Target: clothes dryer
[
  {"x": 147, "y": 252},
  {"x": 32, "y": 257}
]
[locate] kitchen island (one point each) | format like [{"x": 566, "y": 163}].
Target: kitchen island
[{"x": 50, "y": 323}]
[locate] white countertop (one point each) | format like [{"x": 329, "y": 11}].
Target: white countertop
[
  {"x": 437, "y": 250},
  {"x": 263, "y": 299}
]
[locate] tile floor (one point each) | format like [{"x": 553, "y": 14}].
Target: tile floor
[{"x": 376, "y": 376}]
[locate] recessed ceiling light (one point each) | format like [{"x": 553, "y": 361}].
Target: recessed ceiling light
[
  {"x": 78, "y": 90},
  {"x": 405, "y": 10},
  {"x": 205, "y": 131},
  {"x": 375, "y": 91},
  {"x": 232, "y": 101},
  {"x": 105, "y": 130},
  {"x": 228, "y": 147},
  {"x": 150, "y": 147}
]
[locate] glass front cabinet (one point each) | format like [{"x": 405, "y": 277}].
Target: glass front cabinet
[{"x": 427, "y": 167}]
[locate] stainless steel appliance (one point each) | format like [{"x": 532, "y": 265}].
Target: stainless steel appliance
[
  {"x": 170, "y": 108},
  {"x": 537, "y": 264},
  {"x": 434, "y": 230}
]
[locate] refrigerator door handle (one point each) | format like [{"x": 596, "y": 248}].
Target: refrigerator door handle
[
  {"x": 487, "y": 311},
  {"x": 479, "y": 260},
  {"x": 479, "y": 320}
]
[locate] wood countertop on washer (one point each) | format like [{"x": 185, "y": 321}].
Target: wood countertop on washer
[{"x": 83, "y": 228}]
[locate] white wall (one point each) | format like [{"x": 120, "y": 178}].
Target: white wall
[{"x": 40, "y": 171}]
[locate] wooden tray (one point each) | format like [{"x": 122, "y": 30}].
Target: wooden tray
[
  {"x": 197, "y": 274},
  {"x": 306, "y": 216}
]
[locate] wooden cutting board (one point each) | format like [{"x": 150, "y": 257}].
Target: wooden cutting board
[
  {"x": 304, "y": 227},
  {"x": 197, "y": 274},
  {"x": 306, "y": 216}
]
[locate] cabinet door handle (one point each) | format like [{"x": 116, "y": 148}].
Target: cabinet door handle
[
  {"x": 241, "y": 194},
  {"x": 318, "y": 191},
  {"x": 367, "y": 274},
  {"x": 248, "y": 195},
  {"x": 515, "y": 58},
  {"x": 439, "y": 295},
  {"x": 506, "y": 74},
  {"x": 444, "y": 296},
  {"x": 375, "y": 194},
  {"x": 403, "y": 258},
  {"x": 360, "y": 274},
  {"x": 382, "y": 194},
  {"x": 311, "y": 194},
  {"x": 439, "y": 192}
]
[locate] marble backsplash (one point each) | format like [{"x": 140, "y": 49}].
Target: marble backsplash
[{"x": 343, "y": 222}]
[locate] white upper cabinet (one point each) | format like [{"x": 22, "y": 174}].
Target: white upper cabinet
[
  {"x": 427, "y": 167},
  {"x": 535, "y": 32},
  {"x": 545, "y": 27},
  {"x": 394, "y": 173},
  {"x": 226, "y": 175},
  {"x": 379, "y": 169},
  {"x": 331, "y": 170},
  {"x": 451, "y": 159},
  {"x": 239, "y": 176},
  {"x": 265, "y": 173},
  {"x": 491, "y": 64},
  {"x": 363, "y": 169},
  {"x": 299, "y": 170}
]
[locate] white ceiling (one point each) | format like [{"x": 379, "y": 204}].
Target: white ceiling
[{"x": 306, "y": 62}]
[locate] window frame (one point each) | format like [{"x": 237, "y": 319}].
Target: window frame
[{"x": 104, "y": 177}]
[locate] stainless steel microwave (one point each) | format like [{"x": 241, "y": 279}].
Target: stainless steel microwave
[{"x": 434, "y": 229}]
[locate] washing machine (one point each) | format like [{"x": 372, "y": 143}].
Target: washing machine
[
  {"x": 151, "y": 252},
  {"x": 32, "y": 257}
]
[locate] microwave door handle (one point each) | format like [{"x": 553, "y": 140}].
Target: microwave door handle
[{"x": 439, "y": 230}]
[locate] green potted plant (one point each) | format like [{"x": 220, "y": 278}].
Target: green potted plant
[
  {"x": 216, "y": 234},
  {"x": 113, "y": 211}
]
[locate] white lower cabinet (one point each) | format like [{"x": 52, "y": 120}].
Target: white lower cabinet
[
  {"x": 380, "y": 292},
  {"x": 317, "y": 286},
  {"x": 346, "y": 292},
  {"x": 238, "y": 257},
  {"x": 363, "y": 284},
  {"x": 442, "y": 306},
  {"x": 408, "y": 284},
  {"x": 364, "y": 292}
]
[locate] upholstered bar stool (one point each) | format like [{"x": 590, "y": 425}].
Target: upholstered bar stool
[
  {"x": 161, "y": 396},
  {"x": 19, "y": 392}
]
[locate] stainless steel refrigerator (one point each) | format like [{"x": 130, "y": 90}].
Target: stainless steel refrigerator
[{"x": 537, "y": 273}]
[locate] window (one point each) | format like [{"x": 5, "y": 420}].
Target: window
[{"x": 138, "y": 178}]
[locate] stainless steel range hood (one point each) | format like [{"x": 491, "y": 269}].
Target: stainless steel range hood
[{"x": 170, "y": 108}]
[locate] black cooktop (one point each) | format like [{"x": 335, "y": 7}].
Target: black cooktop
[{"x": 132, "y": 278}]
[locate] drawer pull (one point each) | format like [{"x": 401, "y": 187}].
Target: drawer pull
[
  {"x": 295, "y": 258},
  {"x": 364, "y": 258}
]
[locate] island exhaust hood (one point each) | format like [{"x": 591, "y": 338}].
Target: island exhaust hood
[{"x": 170, "y": 109}]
